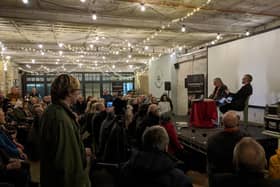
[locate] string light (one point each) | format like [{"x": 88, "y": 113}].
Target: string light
[
  {"x": 40, "y": 46},
  {"x": 143, "y": 8},
  {"x": 183, "y": 29},
  {"x": 213, "y": 42},
  {"x": 83, "y": 1},
  {"x": 8, "y": 57},
  {"x": 129, "y": 56},
  {"x": 113, "y": 66},
  {"x": 247, "y": 33},
  {"x": 60, "y": 45},
  {"x": 218, "y": 36},
  {"x": 91, "y": 46},
  {"x": 33, "y": 61},
  {"x": 42, "y": 53},
  {"x": 146, "y": 47},
  {"x": 25, "y": 1},
  {"x": 94, "y": 16},
  {"x": 60, "y": 53}
]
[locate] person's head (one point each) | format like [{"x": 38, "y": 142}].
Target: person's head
[
  {"x": 247, "y": 78},
  {"x": 14, "y": 90},
  {"x": 163, "y": 97},
  {"x": 165, "y": 118},
  {"x": 91, "y": 107},
  {"x": 80, "y": 98},
  {"x": 100, "y": 107},
  {"x": 34, "y": 90},
  {"x": 65, "y": 88},
  {"x": 249, "y": 155},
  {"x": 154, "y": 100},
  {"x": 155, "y": 138},
  {"x": 153, "y": 109},
  {"x": 230, "y": 120},
  {"x": 218, "y": 82},
  {"x": 34, "y": 100}
]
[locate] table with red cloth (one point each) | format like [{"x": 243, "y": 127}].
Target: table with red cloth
[{"x": 204, "y": 113}]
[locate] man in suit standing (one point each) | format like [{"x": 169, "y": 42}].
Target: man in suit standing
[{"x": 239, "y": 98}]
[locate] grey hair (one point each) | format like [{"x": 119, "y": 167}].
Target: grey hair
[
  {"x": 155, "y": 138},
  {"x": 249, "y": 155}
]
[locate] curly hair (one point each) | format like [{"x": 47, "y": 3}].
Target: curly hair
[{"x": 62, "y": 86}]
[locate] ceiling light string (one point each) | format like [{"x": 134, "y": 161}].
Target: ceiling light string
[{"x": 174, "y": 21}]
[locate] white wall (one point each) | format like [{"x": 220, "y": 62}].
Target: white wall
[
  {"x": 258, "y": 55},
  {"x": 160, "y": 71}
]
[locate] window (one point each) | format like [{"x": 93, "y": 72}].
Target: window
[{"x": 92, "y": 89}]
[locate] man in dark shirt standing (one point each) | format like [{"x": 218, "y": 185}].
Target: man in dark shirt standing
[
  {"x": 221, "y": 145},
  {"x": 239, "y": 98}
]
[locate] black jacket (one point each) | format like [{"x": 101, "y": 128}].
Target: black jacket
[
  {"x": 152, "y": 169},
  {"x": 220, "y": 151},
  {"x": 248, "y": 179},
  {"x": 240, "y": 97}
]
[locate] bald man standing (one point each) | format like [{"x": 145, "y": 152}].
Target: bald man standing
[{"x": 221, "y": 145}]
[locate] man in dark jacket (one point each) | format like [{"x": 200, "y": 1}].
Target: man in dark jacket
[
  {"x": 153, "y": 167},
  {"x": 221, "y": 145},
  {"x": 239, "y": 98},
  {"x": 250, "y": 162}
]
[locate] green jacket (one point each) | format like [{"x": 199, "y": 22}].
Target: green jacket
[{"x": 62, "y": 157}]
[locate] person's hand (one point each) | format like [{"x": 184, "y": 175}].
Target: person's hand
[
  {"x": 88, "y": 152},
  {"x": 14, "y": 164},
  {"x": 227, "y": 92}
]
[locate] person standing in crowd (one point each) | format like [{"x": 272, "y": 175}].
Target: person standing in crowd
[
  {"x": 220, "y": 90},
  {"x": 63, "y": 156},
  {"x": 80, "y": 106},
  {"x": 153, "y": 166},
  {"x": 239, "y": 98},
  {"x": 34, "y": 93}
]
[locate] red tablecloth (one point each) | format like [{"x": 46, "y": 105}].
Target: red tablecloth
[{"x": 203, "y": 114}]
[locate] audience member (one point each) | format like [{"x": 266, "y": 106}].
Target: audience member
[
  {"x": 221, "y": 145},
  {"x": 164, "y": 105},
  {"x": 14, "y": 95},
  {"x": 239, "y": 98},
  {"x": 153, "y": 167},
  {"x": 250, "y": 163},
  {"x": 34, "y": 93},
  {"x": 63, "y": 158},
  {"x": 80, "y": 106}
]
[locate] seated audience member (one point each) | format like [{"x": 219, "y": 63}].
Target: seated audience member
[
  {"x": 153, "y": 167},
  {"x": 151, "y": 119},
  {"x": 174, "y": 145},
  {"x": 164, "y": 105},
  {"x": 250, "y": 162},
  {"x": 13, "y": 171},
  {"x": 221, "y": 145},
  {"x": 274, "y": 165},
  {"x": 14, "y": 95},
  {"x": 220, "y": 89},
  {"x": 239, "y": 98}
]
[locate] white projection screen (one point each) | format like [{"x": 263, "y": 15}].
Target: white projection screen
[{"x": 258, "y": 55}]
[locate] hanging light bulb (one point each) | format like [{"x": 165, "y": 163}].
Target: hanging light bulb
[
  {"x": 60, "y": 45},
  {"x": 146, "y": 47},
  {"x": 60, "y": 53},
  {"x": 113, "y": 66},
  {"x": 130, "y": 66},
  {"x": 33, "y": 61},
  {"x": 40, "y": 46},
  {"x": 94, "y": 16},
  {"x": 25, "y": 1},
  {"x": 42, "y": 53},
  {"x": 143, "y": 8},
  {"x": 129, "y": 56},
  {"x": 91, "y": 46},
  {"x": 213, "y": 42},
  {"x": 8, "y": 57},
  {"x": 83, "y": 1},
  {"x": 183, "y": 29},
  {"x": 218, "y": 36},
  {"x": 247, "y": 33}
]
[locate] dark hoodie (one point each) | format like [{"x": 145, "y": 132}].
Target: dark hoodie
[{"x": 152, "y": 169}]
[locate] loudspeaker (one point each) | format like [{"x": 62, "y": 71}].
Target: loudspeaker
[
  {"x": 167, "y": 86},
  {"x": 177, "y": 66}
]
